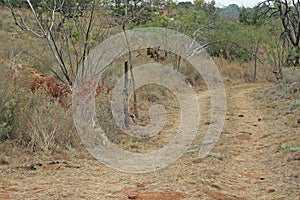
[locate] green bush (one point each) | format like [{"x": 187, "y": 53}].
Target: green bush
[{"x": 7, "y": 120}]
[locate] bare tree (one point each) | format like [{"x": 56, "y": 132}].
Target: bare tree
[
  {"x": 289, "y": 13},
  {"x": 125, "y": 21},
  {"x": 70, "y": 29}
]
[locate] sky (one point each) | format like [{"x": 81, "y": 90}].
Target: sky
[{"x": 245, "y": 3}]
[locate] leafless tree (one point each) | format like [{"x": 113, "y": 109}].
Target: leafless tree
[
  {"x": 70, "y": 29},
  {"x": 289, "y": 13}
]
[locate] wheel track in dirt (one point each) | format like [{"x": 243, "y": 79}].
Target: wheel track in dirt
[
  {"x": 244, "y": 170},
  {"x": 249, "y": 170}
]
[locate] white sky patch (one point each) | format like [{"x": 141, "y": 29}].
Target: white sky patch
[
  {"x": 222, "y": 3},
  {"x": 245, "y": 3}
]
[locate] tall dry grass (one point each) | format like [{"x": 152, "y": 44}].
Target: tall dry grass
[
  {"x": 32, "y": 120},
  {"x": 237, "y": 72}
]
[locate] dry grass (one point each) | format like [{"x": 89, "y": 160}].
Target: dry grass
[
  {"x": 20, "y": 47},
  {"x": 235, "y": 72},
  {"x": 282, "y": 106}
]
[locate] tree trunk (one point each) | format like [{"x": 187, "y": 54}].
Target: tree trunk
[
  {"x": 179, "y": 62},
  {"x": 255, "y": 68},
  {"x": 125, "y": 93},
  {"x": 132, "y": 75},
  {"x": 134, "y": 93}
]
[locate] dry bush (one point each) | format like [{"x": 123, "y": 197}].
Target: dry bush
[
  {"x": 289, "y": 87},
  {"x": 43, "y": 125},
  {"x": 192, "y": 75},
  {"x": 30, "y": 119},
  {"x": 7, "y": 102},
  {"x": 243, "y": 72},
  {"x": 291, "y": 76},
  {"x": 57, "y": 91}
]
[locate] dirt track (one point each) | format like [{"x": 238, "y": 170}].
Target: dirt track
[{"x": 246, "y": 166}]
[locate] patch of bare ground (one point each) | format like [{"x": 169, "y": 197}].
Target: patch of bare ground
[{"x": 245, "y": 164}]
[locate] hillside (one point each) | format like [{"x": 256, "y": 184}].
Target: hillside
[{"x": 231, "y": 11}]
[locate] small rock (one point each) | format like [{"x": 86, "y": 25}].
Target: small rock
[
  {"x": 4, "y": 162},
  {"x": 131, "y": 196},
  {"x": 296, "y": 176},
  {"x": 241, "y": 115},
  {"x": 142, "y": 185},
  {"x": 289, "y": 112},
  {"x": 30, "y": 167},
  {"x": 53, "y": 163},
  {"x": 270, "y": 190},
  {"x": 259, "y": 119},
  {"x": 298, "y": 121},
  {"x": 296, "y": 156},
  {"x": 38, "y": 164}
]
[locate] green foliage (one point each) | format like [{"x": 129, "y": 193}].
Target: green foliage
[
  {"x": 17, "y": 3},
  {"x": 160, "y": 21},
  {"x": 216, "y": 155},
  {"x": 184, "y": 5},
  {"x": 252, "y": 16},
  {"x": 238, "y": 42},
  {"x": 279, "y": 95},
  {"x": 231, "y": 45},
  {"x": 6, "y": 125},
  {"x": 287, "y": 147},
  {"x": 277, "y": 52},
  {"x": 7, "y": 105},
  {"x": 192, "y": 149},
  {"x": 210, "y": 8},
  {"x": 246, "y": 16},
  {"x": 292, "y": 58},
  {"x": 199, "y": 5}
]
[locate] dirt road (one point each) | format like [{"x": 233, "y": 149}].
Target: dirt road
[{"x": 243, "y": 165}]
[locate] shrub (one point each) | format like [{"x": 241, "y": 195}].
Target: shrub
[
  {"x": 31, "y": 119},
  {"x": 42, "y": 124},
  {"x": 7, "y": 103}
]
